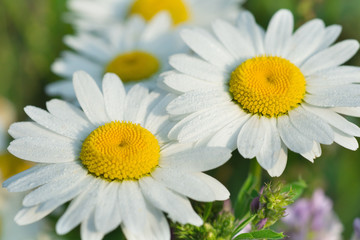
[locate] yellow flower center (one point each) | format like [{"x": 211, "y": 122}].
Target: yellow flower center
[
  {"x": 133, "y": 66},
  {"x": 120, "y": 151},
  {"x": 267, "y": 86},
  {"x": 149, "y": 8}
]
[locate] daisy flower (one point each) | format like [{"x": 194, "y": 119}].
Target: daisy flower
[
  {"x": 113, "y": 161},
  {"x": 136, "y": 51},
  {"x": 95, "y": 14},
  {"x": 266, "y": 92}
]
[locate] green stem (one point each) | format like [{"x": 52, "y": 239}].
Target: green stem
[
  {"x": 255, "y": 170},
  {"x": 207, "y": 211}
]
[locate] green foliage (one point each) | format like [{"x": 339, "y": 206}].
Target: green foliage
[
  {"x": 262, "y": 234},
  {"x": 273, "y": 201},
  {"x": 243, "y": 224},
  {"x": 218, "y": 224},
  {"x": 297, "y": 188},
  {"x": 245, "y": 196}
]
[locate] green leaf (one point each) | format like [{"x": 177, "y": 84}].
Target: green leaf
[
  {"x": 242, "y": 204},
  {"x": 243, "y": 224},
  {"x": 262, "y": 234},
  {"x": 297, "y": 188}
]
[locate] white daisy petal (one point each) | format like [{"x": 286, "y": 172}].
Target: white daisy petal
[
  {"x": 134, "y": 102},
  {"x": 234, "y": 42},
  {"x": 214, "y": 119},
  {"x": 268, "y": 156},
  {"x": 220, "y": 192},
  {"x": 158, "y": 226},
  {"x": 88, "y": 45},
  {"x": 350, "y": 90},
  {"x": 68, "y": 112},
  {"x": 78, "y": 210},
  {"x": 248, "y": 27},
  {"x": 338, "y": 100},
  {"x": 279, "y": 31},
  {"x": 330, "y": 57},
  {"x": 196, "y": 100},
  {"x": 63, "y": 87},
  {"x": 178, "y": 207},
  {"x": 280, "y": 165},
  {"x": 335, "y": 120},
  {"x": 331, "y": 34},
  {"x": 305, "y": 41},
  {"x": 50, "y": 190},
  {"x": 292, "y": 138},
  {"x": 311, "y": 126},
  {"x": 72, "y": 115},
  {"x": 37, "y": 175},
  {"x": 45, "y": 150},
  {"x": 70, "y": 62},
  {"x": 181, "y": 83},
  {"x": 30, "y": 215},
  {"x": 51, "y": 122},
  {"x": 197, "y": 68},
  {"x": 159, "y": 24},
  {"x": 65, "y": 196},
  {"x": 200, "y": 159},
  {"x": 345, "y": 140},
  {"x": 132, "y": 207},
  {"x": 227, "y": 136},
  {"x": 107, "y": 216},
  {"x": 90, "y": 98},
  {"x": 201, "y": 44},
  {"x": 114, "y": 96},
  {"x": 350, "y": 111},
  {"x": 32, "y": 129},
  {"x": 157, "y": 118},
  {"x": 179, "y": 182},
  {"x": 88, "y": 230},
  {"x": 313, "y": 153},
  {"x": 251, "y": 137}
]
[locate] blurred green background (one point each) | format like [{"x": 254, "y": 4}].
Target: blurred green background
[{"x": 31, "y": 38}]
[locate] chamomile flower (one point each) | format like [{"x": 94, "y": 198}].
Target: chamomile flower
[
  {"x": 95, "y": 14},
  {"x": 136, "y": 51},
  {"x": 113, "y": 160},
  {"x": 266, "y": 92}
]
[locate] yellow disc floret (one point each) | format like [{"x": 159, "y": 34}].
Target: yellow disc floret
[
  {"x": 120, "y": 151},
  {"x": 267, "y": 86},
  {"x": 149, "y": 8},
  {"x": 134, "y": 66}
]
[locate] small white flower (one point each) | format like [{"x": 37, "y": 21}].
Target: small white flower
[
  {"x": 136, "y": 51},
  {"x": 90, "y": 15},
  {"x": 266, "y": 92},
  {"x": 113, "y": 160}
]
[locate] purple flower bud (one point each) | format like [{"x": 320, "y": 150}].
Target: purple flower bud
[
  {"x": 260, "y": 225},
  {"x": 255, "y": 205}
]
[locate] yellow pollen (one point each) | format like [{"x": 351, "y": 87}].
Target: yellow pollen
[
  {"x": 120, "y": 151},
  {"x": 267, "y": 86},
  {"x": 149, "y": 8},
  {"x": 133, "y": 66}
]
